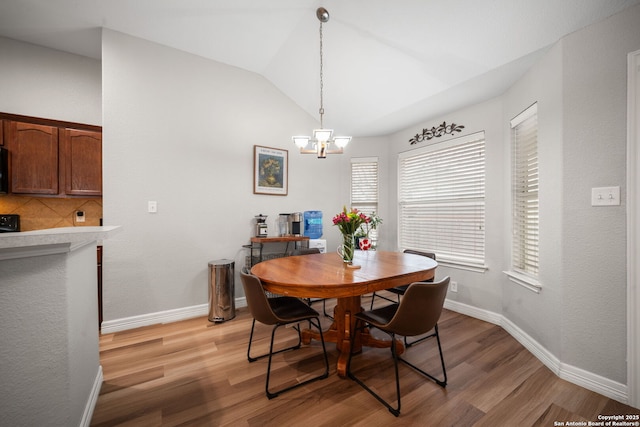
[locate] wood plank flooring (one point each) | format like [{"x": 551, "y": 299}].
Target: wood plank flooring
[{"x": 195, "y": 373}]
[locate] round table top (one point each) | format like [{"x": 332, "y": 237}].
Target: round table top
[{"x": 327, "y": 276}]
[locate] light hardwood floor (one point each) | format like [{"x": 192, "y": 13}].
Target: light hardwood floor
[{"x": 195, "y": 373}]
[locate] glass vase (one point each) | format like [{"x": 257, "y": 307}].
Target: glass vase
[{"x": 348, "y": 248}]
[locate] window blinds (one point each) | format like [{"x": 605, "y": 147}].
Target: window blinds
[
  {"x": 524, "y": 137},
  {"x": 364, "y": 187},
  {"x": 441, "y": 199}
]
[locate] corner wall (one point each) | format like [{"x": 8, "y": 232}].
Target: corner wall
[{"x": 594, "y": 155}]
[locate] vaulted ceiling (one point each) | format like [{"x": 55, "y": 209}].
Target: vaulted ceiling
[{"x": 387, "y": 64}]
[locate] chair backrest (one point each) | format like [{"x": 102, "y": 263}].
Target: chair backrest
[
  {"x": 427, "y": 254},
  {"x": 257, "y": 300},
  {"x": 420, "y": 308},
  {"x": 305, "y": 251}
]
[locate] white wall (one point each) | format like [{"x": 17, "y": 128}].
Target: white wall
[
  {"x": 580, "y": 85},
  {"x": 594, "y": 155},
  {"x": 180, "y": 130},
  {"x": 40, "y": 82},
  {"x": 538, "y": 314},
  {"x": 373, "y": 147},
  {"x": 480, "y": 290}
]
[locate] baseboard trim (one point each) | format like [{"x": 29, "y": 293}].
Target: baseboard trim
[
  {"x": 605, "y": 386},
  {"x": 612, "y": 389},
  {"x": 477, "y": 313},
  {"x": 596, "y": 383},
  {"x": 168, "y": 316},
  {"x": 93, "y": 399}
]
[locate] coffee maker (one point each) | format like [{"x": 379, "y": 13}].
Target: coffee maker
[
  {"x": 261, "y": 225},
  {"x": 295, "y": 224}
]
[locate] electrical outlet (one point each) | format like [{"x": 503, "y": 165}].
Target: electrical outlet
[
  {"x": 79, "y": 216},
  {"x": 453, "y": 287}
]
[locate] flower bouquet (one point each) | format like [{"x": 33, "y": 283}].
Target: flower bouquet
[
  {"x": 363, "y": 240},
  {"x": 348, "y": 223}
]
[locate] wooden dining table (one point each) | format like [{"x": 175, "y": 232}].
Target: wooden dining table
[{"x": 327, "y": 276}]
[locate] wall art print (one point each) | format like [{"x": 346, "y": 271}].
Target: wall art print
[{"x": 270, "y": 171}]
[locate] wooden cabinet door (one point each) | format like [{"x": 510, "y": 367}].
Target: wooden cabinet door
[
  {"x": 81, "y": 162},
  {"x": 34, "y": 158}
]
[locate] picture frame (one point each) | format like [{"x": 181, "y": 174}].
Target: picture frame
[{"x": 270, "y": 171}]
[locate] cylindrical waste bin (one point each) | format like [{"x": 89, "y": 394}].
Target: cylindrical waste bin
[{"x": 222, "y": 302}]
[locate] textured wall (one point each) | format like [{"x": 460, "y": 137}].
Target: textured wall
[
  {"x": 594, "y": 153},
  {"x": 49, "y": 338}
]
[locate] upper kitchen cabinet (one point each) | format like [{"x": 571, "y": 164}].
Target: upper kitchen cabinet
[
  {"x": 52, "y": 158},
  {"x": 33, "y": 151},
  {"x": 81, "y": 162}
]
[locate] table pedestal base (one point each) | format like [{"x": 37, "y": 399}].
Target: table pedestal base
[{"x": 340, "y": 333}]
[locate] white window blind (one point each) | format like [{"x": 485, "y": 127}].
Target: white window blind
[
  {"x": 364, "y": 187},
  {"x": 441, "y": 199},
  {"x": 524, "y": 138}
]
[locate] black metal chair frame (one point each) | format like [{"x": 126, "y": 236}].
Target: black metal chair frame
[
  {"x": 362, "y": 323},
  {"x": 270, "y": 394},
  {"x": 313, "y": 319}
]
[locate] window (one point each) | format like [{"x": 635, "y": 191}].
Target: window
[
  {"x": 524, "y": 178},
  {"x": 364, "y": 187},
  {"x": 441, "y": 191}
]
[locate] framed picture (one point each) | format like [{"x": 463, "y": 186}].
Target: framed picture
[{"x": 270, "y": 171}]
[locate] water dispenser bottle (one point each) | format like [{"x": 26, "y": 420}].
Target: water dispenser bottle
[{"x": 313, "y": 224}]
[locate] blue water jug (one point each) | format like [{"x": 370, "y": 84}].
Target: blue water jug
[{"x": 313, "y": 224}]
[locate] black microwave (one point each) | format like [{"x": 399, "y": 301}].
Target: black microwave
[{"x": 4, "y": 170}]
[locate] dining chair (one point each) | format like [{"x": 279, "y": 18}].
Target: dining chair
[
  {"x": 279, "y": 311},
  {"x": 416, "y": 314},
  {"x": 400, "y": 290},
  {"x": 309, "y": 251}
]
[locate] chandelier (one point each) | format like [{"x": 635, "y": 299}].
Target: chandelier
[{"x": 323, "y": 142}]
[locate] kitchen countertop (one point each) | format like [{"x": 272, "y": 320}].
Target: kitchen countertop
[{"x": 52, "y": 240}]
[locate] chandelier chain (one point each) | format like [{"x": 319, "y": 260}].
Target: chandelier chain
[
  {"x": 321, "y": 111},
  {"x": 323, "y": 142}
]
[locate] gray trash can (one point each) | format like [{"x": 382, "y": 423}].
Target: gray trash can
[{"x": 222, "y": 302}]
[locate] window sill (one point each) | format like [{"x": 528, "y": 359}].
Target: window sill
[
  {"x": 460, "y": 265},
  {"x": 525, "y": 281}
]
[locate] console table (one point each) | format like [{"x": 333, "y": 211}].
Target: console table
[{"x": 257, "y": 244}]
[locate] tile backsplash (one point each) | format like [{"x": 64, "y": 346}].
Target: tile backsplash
[{"x": 37, "y": 213}]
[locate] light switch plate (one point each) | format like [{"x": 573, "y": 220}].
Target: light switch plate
[
  {"x": 152, "y": 207},
  {"x": 605, "y": 196}
]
